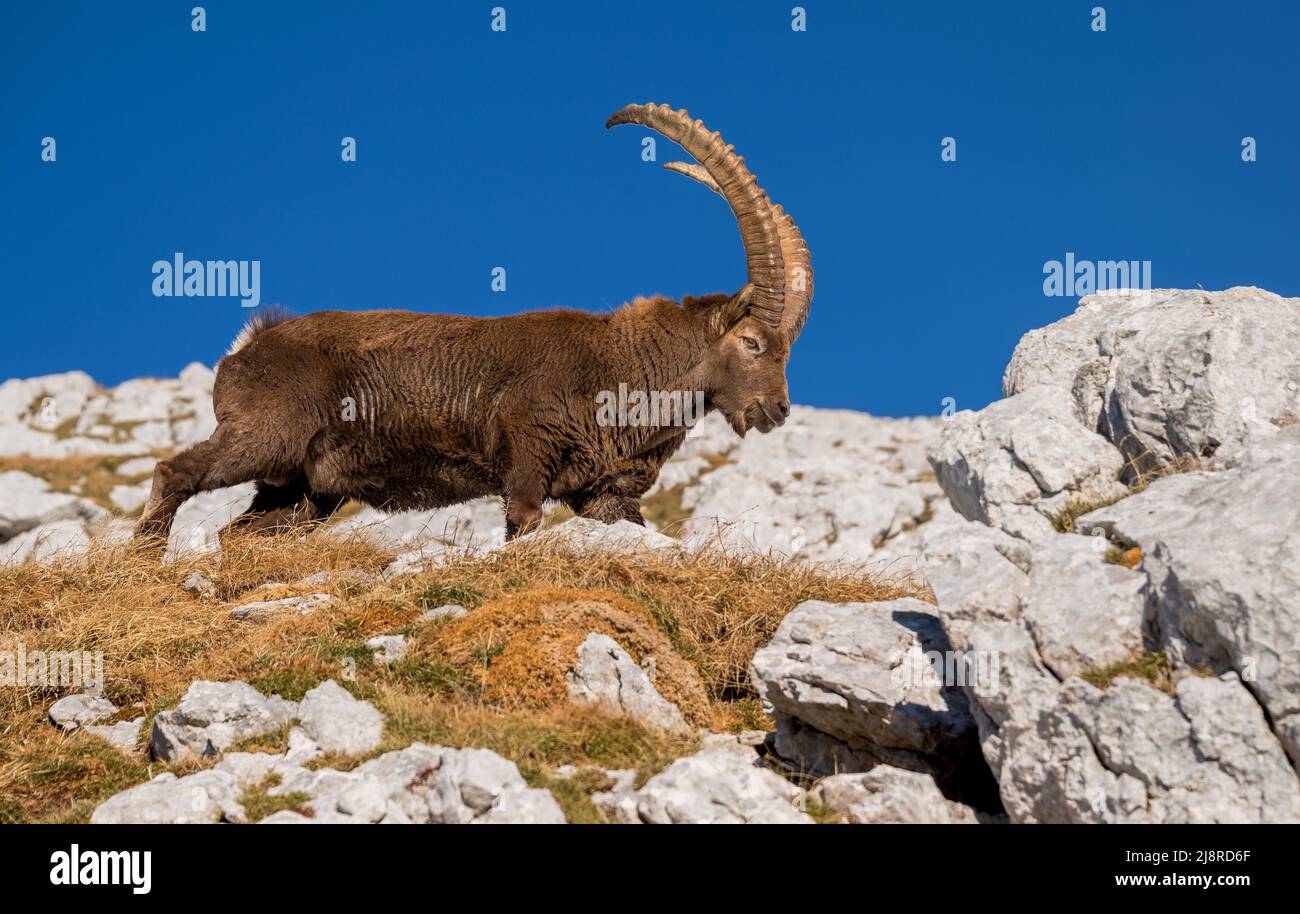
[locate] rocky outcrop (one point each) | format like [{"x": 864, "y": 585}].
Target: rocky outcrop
[
  {"x": 1222, "y": 553},
  {"x": 1170, "y": 374},
  {"x": 1065, "y": 750},
  {"x": 858, "y": 672},
  {"x": 337, "y": 722}
]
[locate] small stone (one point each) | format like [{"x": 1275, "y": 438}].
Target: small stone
[
  {"x": 263, "y": 610},
  {"x": 81, "y": 709},
  {"x": 388, "y": 648},
  {"x": 446, "y": 611},
  {"x": 199, "y": 583}
]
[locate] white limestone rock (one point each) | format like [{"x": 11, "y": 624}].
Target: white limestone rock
[{"x": 606, "y": 675}]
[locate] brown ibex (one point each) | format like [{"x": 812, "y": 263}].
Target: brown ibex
[{"x": 447, "y": 408}]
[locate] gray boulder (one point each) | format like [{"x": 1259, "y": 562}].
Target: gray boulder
[
  {"x": 719, "y": 785},
  {"x": 26, "y": 502},
  {"x": 75, "y": 711},
  {"x": 337, "y": 722},
  {"x": 859, "y": 672}
]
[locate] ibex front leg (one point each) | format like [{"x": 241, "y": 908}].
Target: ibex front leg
[{"x": 525, "y": 491}]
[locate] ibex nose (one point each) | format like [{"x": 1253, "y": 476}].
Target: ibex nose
[{"x": 783, "y": 406}]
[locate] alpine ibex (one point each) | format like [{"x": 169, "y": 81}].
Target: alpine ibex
[{"x": 449, "y": 408}]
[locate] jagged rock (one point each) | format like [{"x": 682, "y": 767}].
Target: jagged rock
[
  {"x": 197, "y": 798},
  {"x": 78, "y": 710},
  {"x": 263, "y": 610},
  {"x": 889, "y": 795},
  {"x": 387, "y": 648},
  {"x": 1067, "y": 570},
  {"x": 604, "y": 674},
  {"x": 1018, "y": 462},
  {"x": 1170, "y": 374},
  {"x": 618, "y": 803},
  {"x": 859, "y": 673},
  {"x": 302, "y": 748},
  {"x": 1221, "y": 551},
  {"x": 124, "y": 735},
  {"x": 337, "y": 722},
  {"x": 212, "y": 716},
  {"x": 718, "y": 786}
]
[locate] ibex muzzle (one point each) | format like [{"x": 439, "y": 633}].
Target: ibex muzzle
[{"x": 417, "y": 411}]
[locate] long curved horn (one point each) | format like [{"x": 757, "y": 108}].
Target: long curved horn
[
  {"x": 794, "y": 254},
  {"x": 758, "y": 225}
]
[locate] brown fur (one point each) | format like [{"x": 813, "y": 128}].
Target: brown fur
[{"x": 450, "y": 408}]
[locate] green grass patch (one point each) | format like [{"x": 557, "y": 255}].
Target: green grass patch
[
  {"x": 1152, "y": 666},
  {"x": 259, "y": 802}
]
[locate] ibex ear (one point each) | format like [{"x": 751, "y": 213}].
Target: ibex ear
[{"x": 736, "y": 307}]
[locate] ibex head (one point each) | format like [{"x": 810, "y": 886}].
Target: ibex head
[{"x": 753, "y": 330}]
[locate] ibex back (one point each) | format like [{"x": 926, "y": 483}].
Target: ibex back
[{"x": 402, "y": 410}]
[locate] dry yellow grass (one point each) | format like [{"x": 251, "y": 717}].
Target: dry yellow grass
[
  {"x": 700, "y": 617},
  {"x": 519, "y": 645}
]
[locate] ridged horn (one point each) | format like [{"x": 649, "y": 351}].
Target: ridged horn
[
  {"x": 759, "y": 232},
  {"x": 794, "y": 254}
]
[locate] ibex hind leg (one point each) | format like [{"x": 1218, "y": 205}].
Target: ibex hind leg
[{"x": 223, "y": 460}]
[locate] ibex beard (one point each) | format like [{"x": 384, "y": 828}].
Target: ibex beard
[{"x": 402, "y": 411}]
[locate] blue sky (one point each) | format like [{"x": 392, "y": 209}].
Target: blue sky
[{"x": 478, "y": 149}]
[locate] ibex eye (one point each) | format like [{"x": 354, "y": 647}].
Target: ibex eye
[{"x": 750, "y": 343}]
